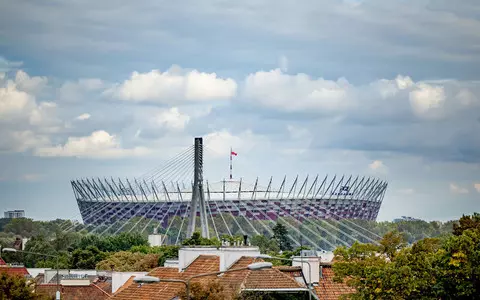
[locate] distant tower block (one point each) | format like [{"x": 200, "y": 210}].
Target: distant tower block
[{"x": 198, "y": 196}]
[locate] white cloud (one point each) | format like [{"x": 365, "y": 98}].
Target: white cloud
[
  {"x": 378, "y": 166},
  {"x": 175, "y": 85},
  {"x": 171, "y": 119},
  {"x": 100, "y": 144},
  {"x": 30, "y": 84},
  {"x": 297, "y": 132},
  {"x": 218, "y": 143},
  {"x": 21, "y": 141},
  {"x": 83, "y": 117},
  {"x": 427, "y": 98},
  {"x": 477, "y": 186},
  {"x": 407, "y": 191},
  {"x": 80, "y": 90},
  {"x": 456, "y": 189},
  {"x": 15, "y": 103},
  {"x": 31, "y": 177},
  {"x": 296, "y": 92}
]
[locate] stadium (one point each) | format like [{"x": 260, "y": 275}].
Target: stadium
[{"x": 162, "y": 196}]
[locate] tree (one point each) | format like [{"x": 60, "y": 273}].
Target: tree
[
  {"x": 447, "y": 268},
  {"x": 206, "y": 290},
  {"x": 265, "y": 244},
  {"x": 280, "y": 233},
  {"x": 164, "y": 252},
  {"x": 198, "y": 240},
  {"x": 459, "y": 266},
  {"x": 87, "y": 258},
  {"x": 467, "y": 222},
  {"x": 387, "y": 271},
  {"x": 125, "y": 261},
  {"x": 14, "y": 287}
]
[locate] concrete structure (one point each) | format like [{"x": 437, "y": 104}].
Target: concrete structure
[
  {"x": 14, "y": 214},
  {"x": 158, "y": 199},
  {"x": 157, "y": 239}
]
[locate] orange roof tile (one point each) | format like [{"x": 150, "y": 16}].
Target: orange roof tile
[
  {"x": 270, "y": 279},
  {"x": 168, "y": 290},
  {"x": 73, "y": 292},
  {"x": 22, "y": 271},
  {"x": 328, "y": 289},
  {"x": 276, "y": 278}
]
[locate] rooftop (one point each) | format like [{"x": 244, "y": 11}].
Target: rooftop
[{"x": 268, "y": 279}]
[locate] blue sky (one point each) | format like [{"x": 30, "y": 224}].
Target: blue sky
[{"x": 112, "y": 88}]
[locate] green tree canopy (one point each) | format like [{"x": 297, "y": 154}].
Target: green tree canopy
[
  {"x": 125, "y": 261},
  {"x": 87, "y": 258},
  {"x": 280, "y": 233}
]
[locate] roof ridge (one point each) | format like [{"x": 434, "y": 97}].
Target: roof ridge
[
  {"x": 101, "y": 289},
  {"x": 289, "y": 277},
  {"x": 201, "y": 255}
]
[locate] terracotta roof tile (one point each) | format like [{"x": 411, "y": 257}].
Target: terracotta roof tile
[
  {"x": 329, "y": 290},
  {"x": 168, "y": 290},
  {"x": 203, "y": 264},
  {"x": 2, "y": 262},
  {"x": 270, "y": 279},
  {"x": 73, "y": 292},
  {"x": 125, "y": 285},
  {"x": 22, "y": 271}
]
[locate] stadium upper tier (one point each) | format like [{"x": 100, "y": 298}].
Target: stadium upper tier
[{"x": 336, "y": 197}]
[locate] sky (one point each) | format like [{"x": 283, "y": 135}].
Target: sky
[{"x": 389, "y": 89}]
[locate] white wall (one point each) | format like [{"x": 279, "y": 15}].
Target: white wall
[
  {"x": 171, "y": 263},
  {"x": 119, "y": 278},
  {"x": 35, "y": 271},
  {"x": 228, "y": 255},
  {"x": 156, "y": 239},
  {"x": 313, "y": 275}
]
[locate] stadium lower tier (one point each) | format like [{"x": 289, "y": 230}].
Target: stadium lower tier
[{"x": 104, "y": 213}]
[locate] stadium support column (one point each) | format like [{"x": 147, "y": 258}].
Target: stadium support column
[{"x": 198, "y": 196}]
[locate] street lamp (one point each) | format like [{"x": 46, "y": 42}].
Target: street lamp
[
  {"x": 265, "y": 256},
  {"x": 151, "y": 279},
  {"x": 57, "y": 295}
]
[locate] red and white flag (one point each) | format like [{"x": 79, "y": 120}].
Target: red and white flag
[{"x": 233, "y": 153}]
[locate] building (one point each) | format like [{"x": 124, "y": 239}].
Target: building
[
  {"x": 112, "y": 203},
  {"x": 275, "y": 281},
  {"x": 14, "y": 214}
]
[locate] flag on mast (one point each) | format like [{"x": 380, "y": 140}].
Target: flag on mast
[{"x": 232, "y": 153}]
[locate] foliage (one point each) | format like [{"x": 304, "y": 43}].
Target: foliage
[
  {"x": 429, "y": 269},
  {"x": 265, "y": 244},
  {"x": 164, "y": 252},
  {"x": 125, "y": 261},
  {"x": 14, "y": 287},
  {"x": 280, "y": 233},
  {"x": 467, "y": 222},
  {"x": 205, "y": 290},
  {"x": 87, "y": 258},
  {"x": 198, "y": 240},
  {"x": 121, "y": 242}
]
